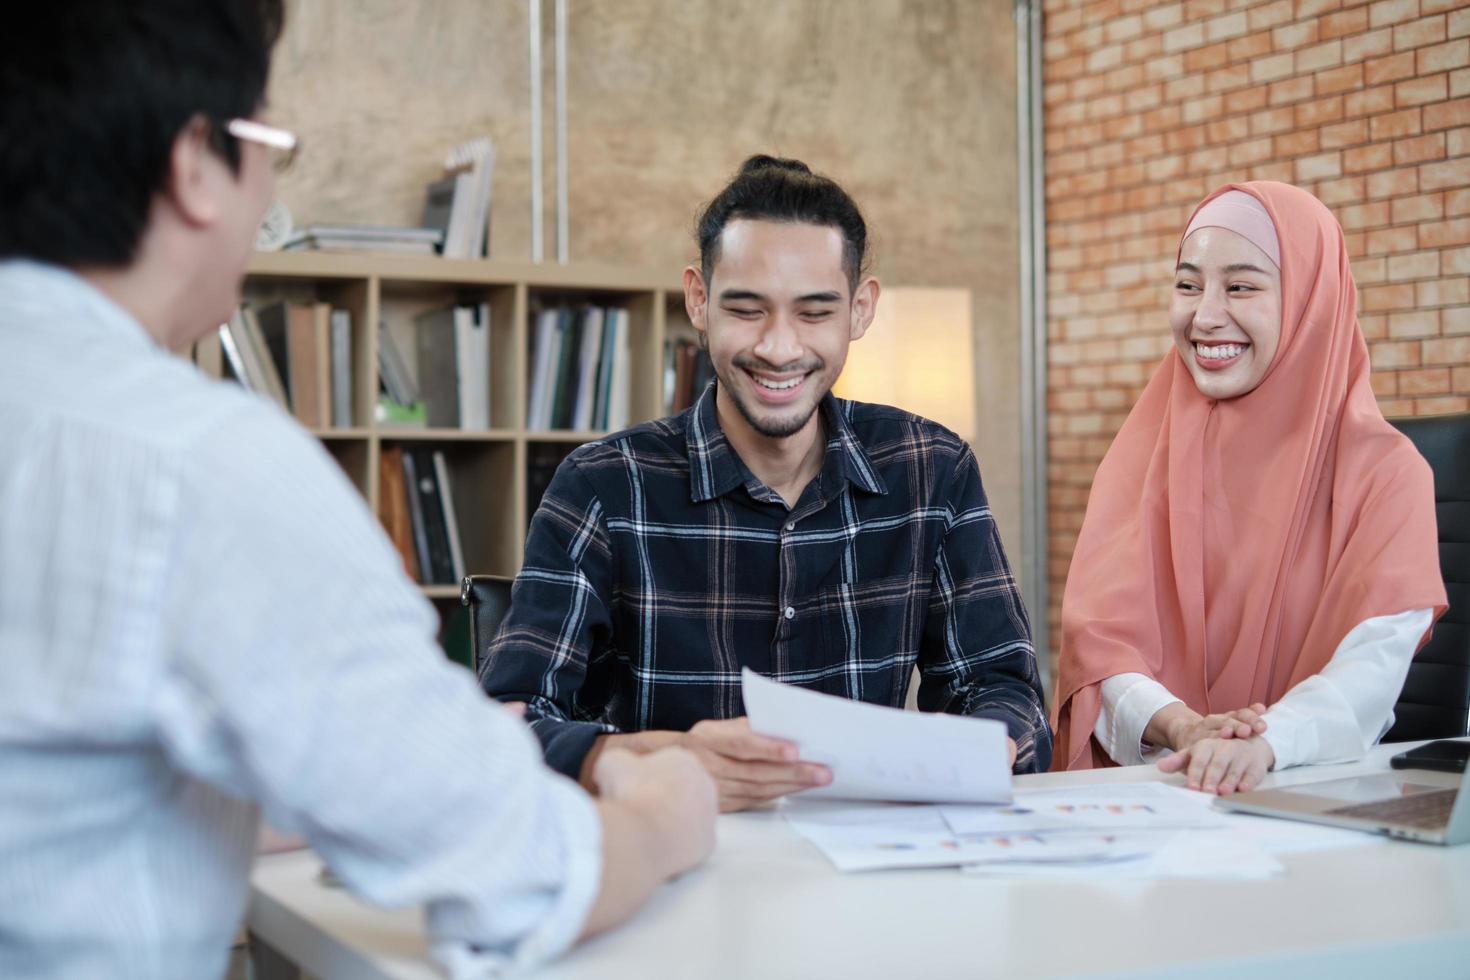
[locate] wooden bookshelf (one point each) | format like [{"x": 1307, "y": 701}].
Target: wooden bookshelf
[{"x": 487, "y": 468}]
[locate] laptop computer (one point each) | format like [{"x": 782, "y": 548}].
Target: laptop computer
[{"x": 1433, "y": 807}]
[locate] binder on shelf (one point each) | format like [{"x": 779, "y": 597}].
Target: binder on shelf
[
  {"x": 451, "y": 519},
  {"x": 341, "y": 368},
  {"x": 580, "y": 370},
  {"x": 437, "y": 341},
  {"x": 588, "y": 362},
  {"x": 472, "y": 349}
]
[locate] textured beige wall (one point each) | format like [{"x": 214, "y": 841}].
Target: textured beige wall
[{"x": 908, "y": 103}]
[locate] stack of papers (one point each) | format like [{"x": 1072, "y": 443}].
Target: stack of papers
[{"x": 884, "y": 760}]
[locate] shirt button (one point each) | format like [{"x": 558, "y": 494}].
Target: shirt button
[
  {"x": 791, "y": 527},
  {"x": 790, "y": 611}
]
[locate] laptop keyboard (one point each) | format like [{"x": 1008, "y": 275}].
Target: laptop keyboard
[{"x": 1426, "y": 811}]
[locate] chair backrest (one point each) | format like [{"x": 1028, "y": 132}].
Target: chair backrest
[
  {"x": 488, "y": 599},
  {"x": 1436, "y": 696}
]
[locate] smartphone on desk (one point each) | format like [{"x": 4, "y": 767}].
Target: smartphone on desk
[{"x": 1446, "y": 755}]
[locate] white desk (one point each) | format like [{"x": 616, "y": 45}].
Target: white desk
[{"x": 768, "y": 905}]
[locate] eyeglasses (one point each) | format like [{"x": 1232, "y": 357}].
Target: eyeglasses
[{"x": 284, "y": 145}]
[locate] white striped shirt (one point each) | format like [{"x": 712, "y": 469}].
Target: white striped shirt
[{"x": 200, "y": 620}]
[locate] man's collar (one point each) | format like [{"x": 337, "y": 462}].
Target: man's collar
[{"x": 715, "y": 469}]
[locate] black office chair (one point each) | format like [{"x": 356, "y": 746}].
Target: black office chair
[
  {"x": 1436, "y": 695},
  {"x": 488, "y": 600}
]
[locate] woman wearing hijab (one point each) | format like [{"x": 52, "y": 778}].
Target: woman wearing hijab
[{"x": 1257, "y": 535}]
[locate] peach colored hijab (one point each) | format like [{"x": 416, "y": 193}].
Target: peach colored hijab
[{"x": 1229, "y": 546}]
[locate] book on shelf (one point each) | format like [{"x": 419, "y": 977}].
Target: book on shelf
[
  {"x": 394, "y": 508},
  {"x": 580, "y": 367},
  {"x": 249, "y": 357},
  {"x": 400, "y": 403},
  {"x": 297, "y": 335},
  {"x": 437, "y": 548},
  {"x": 687, "y": 372},
  {"x": 365, "y": 238},
  {"x": 458, "y": 204},
  {"x": 341, "y": 358},
  {"x": 453, "y": 347}
]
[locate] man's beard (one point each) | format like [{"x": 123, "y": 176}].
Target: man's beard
[{"x": 778, "y": 427}]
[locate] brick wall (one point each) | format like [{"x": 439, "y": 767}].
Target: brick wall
[{"x": 1150, "y": 105}]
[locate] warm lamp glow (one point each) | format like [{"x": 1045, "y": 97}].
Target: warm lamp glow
[{"x": 919, "y": 355}]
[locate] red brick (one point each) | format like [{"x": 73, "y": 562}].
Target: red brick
[
  {"x": 1391, "y": 183},
  {"x": 1440, "y": 406},
  {"x": 1268, "y": 15},
  {"x": 1344, "y": 22},
  {"x": 1360, "y": 216},
  {"x": 1397, "y": 124},
  {"x": 1460, "y": 380},
  {"x": 1225, "y": 79},
  {"x": 1368, "y": 271},
  {"x": 1443, "y": 57},
  {"x": 1319, "y": 112},
  {"x": 1395, "y": 354},
  {"x": 1294, "y": 36},
  {"x": 1436, "y": 234},
  {"x": 1448, "y": 350},
  {"x": 1425, "y": 381},
  {"x": 1385, "y": 383},
  {"x": 1292, "y": 90},
  {"x": 1373, "y": 157},
  {"x": 1456, "y": 261},
  {"x": 1298, "y": 143},
  {"x": 1443, "y": 292},
  {"x": 1391, "y": 408},
  {"x": 1203, "y": 59},
  {"x": 1379, "y": 298},
  {"x": 1413, "y": 265},
  {"x": 1187, "y": 36},
  {"x": 1459, "y": 23},
  {"x": 1431, "y": 88},
  {"x": 1249, "y": 47},
  {"x": 1226, "y": 26},
  {"x": 1418, "y": 149},
  {"x": 1389, "y": 69},
  {"x": 1386, "y": 241},
  {"x": 1248, "y": 99},
  {"x": 1272, "y": 121},
  {"x": 1457, "y": 202},
  {"x": 1344, "y": 134},
  {"x": 1319, "y": 57},
  {"x": 1423, "y": 207},
  {"x": 1319, "y": 167},
  {"x": 1444, "y": 115},
  {"x": 1272, "y": 67},
  {"x": 1370, "y": 45},
  {"x": 1341, "y": 79},
  {"x": 1437, "y": 176},
  {"x": 1368, "y": 102},
  {"x": 1392, "y": 12},
  {"x": 1410, "y": 325},
  {"x": 1375, "y": 327},
  {"x": 1159, "y": 18},
  {"x": 1311, "y": 8},
  {"x": 1417, "y": 34},
  {"x": 1344, "y": 190},
  {"x": 1454, "y": 321},
  {"x": 1251, "y": 151},
  {"x": 1427, "y": 7}
]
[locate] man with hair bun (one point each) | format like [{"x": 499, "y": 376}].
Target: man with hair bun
[{"x": 826, "y": 543}]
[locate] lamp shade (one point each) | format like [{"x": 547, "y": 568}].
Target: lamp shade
[{"x": 919, "y": 356}]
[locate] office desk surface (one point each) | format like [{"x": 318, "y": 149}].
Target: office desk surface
[{"x": 769, "y": 905}]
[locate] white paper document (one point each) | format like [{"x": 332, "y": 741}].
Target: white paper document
[
  {"x": 880, "y": 753},
  {"x": 1115, "y": 806},
  {"x": 876, "y": 836}
]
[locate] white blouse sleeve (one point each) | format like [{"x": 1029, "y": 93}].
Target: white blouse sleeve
[
  {"x": 1129, "y": 702},
  {"x": 1340, "y": 713}
]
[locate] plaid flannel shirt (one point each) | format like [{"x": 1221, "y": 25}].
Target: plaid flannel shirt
[{"x": 657, "y": 566}]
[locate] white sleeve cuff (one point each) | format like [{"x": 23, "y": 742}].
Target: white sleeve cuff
[
  {"x": 1129, "y": 703},
  {"x": 580, "y": 835}
]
